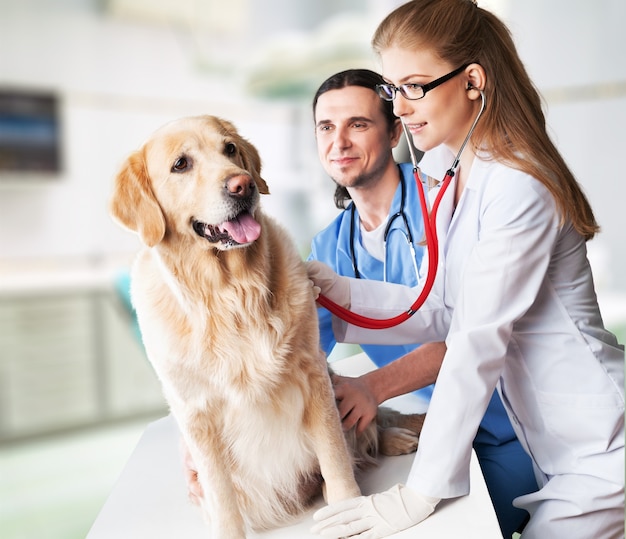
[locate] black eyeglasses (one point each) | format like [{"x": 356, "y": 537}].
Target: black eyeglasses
[{"x": 414, "y": 91}]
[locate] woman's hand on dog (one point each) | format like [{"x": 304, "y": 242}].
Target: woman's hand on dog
[
  {"x": 375, "y": 516},
  {"x": 315, "y": 289},
  {"x": 328, "y": 283},
  {"x": 356, "y": 402}
]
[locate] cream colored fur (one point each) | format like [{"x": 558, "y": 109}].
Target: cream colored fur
[{"x": 231, "y": 330}]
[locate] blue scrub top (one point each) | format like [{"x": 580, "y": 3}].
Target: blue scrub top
[{"x": 332, "y": 246}]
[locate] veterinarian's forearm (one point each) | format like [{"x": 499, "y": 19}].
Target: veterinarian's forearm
[{"x": 413, "y": 371}]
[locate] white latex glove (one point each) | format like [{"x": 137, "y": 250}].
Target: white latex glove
[
  {"x": 375, "y": 516},
  {"x": 331, "y": 285},
  {"x": 315, "y": 289}
]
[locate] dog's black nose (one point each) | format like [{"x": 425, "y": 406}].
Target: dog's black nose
[{"x": 240, "y": 186}]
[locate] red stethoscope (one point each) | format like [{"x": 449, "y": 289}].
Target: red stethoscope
[{"x": 432, "y": 244}]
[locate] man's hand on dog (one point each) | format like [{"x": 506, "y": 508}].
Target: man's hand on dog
[{"x": 355, "y": 402}]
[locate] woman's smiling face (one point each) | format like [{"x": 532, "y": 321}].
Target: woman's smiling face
[{"x": 444, "y": 114}]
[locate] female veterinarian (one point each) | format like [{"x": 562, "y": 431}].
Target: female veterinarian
[
  {"x": 513, "y": 298},
  {"x": 356, "y": 132}
]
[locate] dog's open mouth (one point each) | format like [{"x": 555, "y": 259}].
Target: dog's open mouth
[{"x": 240, "y": 230}]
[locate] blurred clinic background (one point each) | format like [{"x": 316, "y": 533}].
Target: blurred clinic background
[{"x": 84, "y": 82}]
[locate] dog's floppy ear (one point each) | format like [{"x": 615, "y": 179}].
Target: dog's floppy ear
[
  {"x": 249, "y": 154},
  {"x": 252, "y": 163},
  {"x": 133, "y": 203}
]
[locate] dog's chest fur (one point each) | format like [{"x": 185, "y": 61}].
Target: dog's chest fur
[
  {"x": 233, "y": 332},
  {"x": 226, "y": 335},
  {"x": 224, "y": 347}
]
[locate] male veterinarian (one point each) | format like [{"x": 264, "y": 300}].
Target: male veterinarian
[{"x": 378, "y": 236}]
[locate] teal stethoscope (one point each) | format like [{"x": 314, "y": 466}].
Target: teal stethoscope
[
  {"x": 400, "y": 214},
  {"x": 430, "y": 230}
]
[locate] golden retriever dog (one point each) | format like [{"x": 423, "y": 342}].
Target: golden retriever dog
[{"x": 229, "y": 323}]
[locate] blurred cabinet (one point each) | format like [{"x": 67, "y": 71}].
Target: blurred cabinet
[{"x": 70, "y": 359}]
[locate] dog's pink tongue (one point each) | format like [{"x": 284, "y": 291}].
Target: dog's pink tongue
[{"x": 243, "y": 228}]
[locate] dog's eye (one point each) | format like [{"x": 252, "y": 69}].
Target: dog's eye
[
  {"x": 181, "y": 164},
  {"x": 230, "y": 149}
]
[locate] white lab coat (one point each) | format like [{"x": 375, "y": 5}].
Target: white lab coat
[{"x": 515, "y": 302}]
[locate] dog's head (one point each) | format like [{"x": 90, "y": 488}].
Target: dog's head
[{"x": 194, "y": 177}]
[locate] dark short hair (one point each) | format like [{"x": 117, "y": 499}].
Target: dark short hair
[
  {"x": 365, "y": 78},
  {"x": 354, "y": 77}
]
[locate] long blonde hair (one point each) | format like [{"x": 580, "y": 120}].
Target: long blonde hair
[{"x": 513, "y": 128}]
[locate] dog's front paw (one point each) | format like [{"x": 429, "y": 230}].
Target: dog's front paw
[
  {"x": 228, "y": 532},
  {"x": 338, "y": 494},
  {"x": 397, "y": 441},
  {"x": 224, "y": 522}
]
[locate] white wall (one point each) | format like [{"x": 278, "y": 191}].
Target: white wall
[{"x": 119, "y": 80}]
